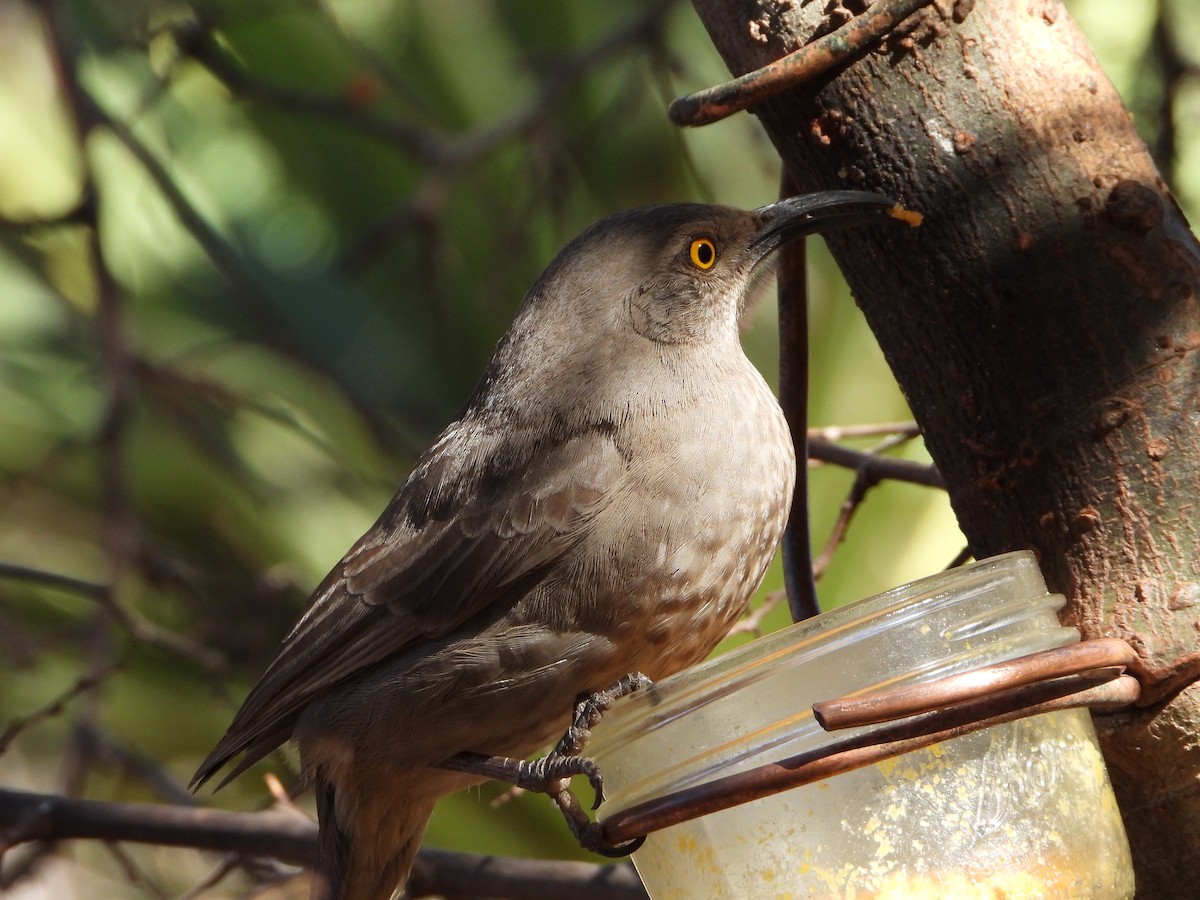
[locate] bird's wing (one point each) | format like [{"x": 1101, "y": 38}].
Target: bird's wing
[{"x": 478, "y": 523}]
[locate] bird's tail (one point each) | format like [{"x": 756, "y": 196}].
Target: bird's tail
[{"x": 367, "y": 854}]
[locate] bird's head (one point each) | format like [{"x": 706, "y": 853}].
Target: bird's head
[
  {"x": 677, "y": 273},
  {"x": 651, "y": 285}
]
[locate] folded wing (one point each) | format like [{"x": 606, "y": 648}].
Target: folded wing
[{"x": 484, "y": 517}]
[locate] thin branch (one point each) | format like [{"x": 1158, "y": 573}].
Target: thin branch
[
  {"x": 134, "y": 873},
  {"x": 54, "y": 707},
  {"x": 873, "y": 467},
  {"x": 229, "y": 264},
  {"x": 1175, "y": 68},
  {"x": 120, "y": 534},
  {"x": 443, "y": 154},
  {"x": 154, "y": 635},
  {"x": 93, "y": 590},
  {"x": 870, "y": 466},
  {"x": 461, "y": 876},
  {"x": 841, "y": 432},
  {"x": 110, "y": 325},
  {"x": 28, "y": 816},
  {"x": 751, "y": 622},
  {"x": 224, "y": 868},
  {"x": 129, "y": 762},
  {"x": 558, "y": 79},
  {"x": 434, "y": 150},
  {"x": 140, "y": 629},
  {"x": 224, "y": 258},
  {"x": 196, "y": 41},
  {"x": 22, "y": 863},
  {"x": 889, "y": 442},
  {"x": 172, "y": 382},
  {"x": 79, "y": 214},
  {"x": 841, "y": 525},
  {"x": 417, "y": 214}
]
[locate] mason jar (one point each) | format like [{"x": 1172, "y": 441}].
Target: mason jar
[{"x": 1019, "y": 810}]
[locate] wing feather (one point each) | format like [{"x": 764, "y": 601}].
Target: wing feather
[{"x": 476, "y": 526}]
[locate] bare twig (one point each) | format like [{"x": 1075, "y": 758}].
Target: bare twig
[
  {"x": 77, "y": 215},
  {"x": 870, "y": 468},
  {"x": 1175, "y": 69},
  {"x": 137, "y": 628},
  {"x": 874, "y": 467},
  {"x": 50, "y": 817},
  {"x": 134, "y": 873},
  {"x": 448, "y": 155},
  {"x": 751, "y": 622},
  {"x": 429, "y": 148},
  {"x": 224, "y": 258},
  {"x": 118, "y": 373},
  {"x": 54, "y": 707},
  {"x": 28, "y": 816},
  {"x": 841, "y": 525},
  {"x": 196, "y": 41},
  {"x": 882, "y": 429},
  {"x": 254, "y": 295},
  {"x": 120, "y": 535},
  {"x": 128, "y": 761},
  {"x": 90, "y": 589},
  {"x": 227, "y": 865},
  {"x": 22, "y": 862},
  {"x": 267, "y": 873}
]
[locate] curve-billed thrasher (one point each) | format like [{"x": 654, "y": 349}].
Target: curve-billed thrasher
[{"x": 607, "y": 501}]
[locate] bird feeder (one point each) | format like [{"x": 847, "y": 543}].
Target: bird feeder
[{"x": 1019, "y": 809}]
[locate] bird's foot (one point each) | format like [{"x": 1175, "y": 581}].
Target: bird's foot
[
  {"x": 590, "y": 708},
  {"x": 591, "y": 834},
  {"x": 552, "y": 774}
]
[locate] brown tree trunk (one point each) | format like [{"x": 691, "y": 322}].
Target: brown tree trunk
[{"x": 1043, "y": 324}]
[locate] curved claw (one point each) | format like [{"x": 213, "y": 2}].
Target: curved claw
[
  {"x": 590, "y": 708},
  {"x": 617, "y": 851},
  {"x": 581, "y": 765},
  {"x": 590, "y": 834},
  {"x": 552, "y": 773}
]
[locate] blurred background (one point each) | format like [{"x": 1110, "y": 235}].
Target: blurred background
[{"x": 272, "y": 268}]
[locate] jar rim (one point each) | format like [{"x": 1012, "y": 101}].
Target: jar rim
[{"x": 969, "y": 606}]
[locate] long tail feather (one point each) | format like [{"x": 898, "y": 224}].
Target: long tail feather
[{"x": 372, "y": 861}]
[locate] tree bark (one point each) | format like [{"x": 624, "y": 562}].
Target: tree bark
[{"x": 1043, "y": 323}]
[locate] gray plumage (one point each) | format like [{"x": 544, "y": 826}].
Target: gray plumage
[{"x": 606, "y": 502}]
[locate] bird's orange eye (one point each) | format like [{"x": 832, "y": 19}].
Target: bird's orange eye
[{"x": 703, "y": 253}]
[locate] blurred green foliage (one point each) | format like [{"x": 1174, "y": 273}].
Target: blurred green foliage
[{"x": 318, "y": 218}]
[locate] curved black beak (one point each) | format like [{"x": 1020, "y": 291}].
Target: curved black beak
[{"x": 813, "y": 213}]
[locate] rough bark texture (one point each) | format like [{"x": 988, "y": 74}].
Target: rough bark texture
[{"x": 1043, "y": 324}]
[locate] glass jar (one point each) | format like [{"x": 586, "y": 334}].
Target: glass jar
[{"x": 1020, "y": 810}]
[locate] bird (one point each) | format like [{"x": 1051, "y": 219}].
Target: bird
[{"x": 606, "y": 502}]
